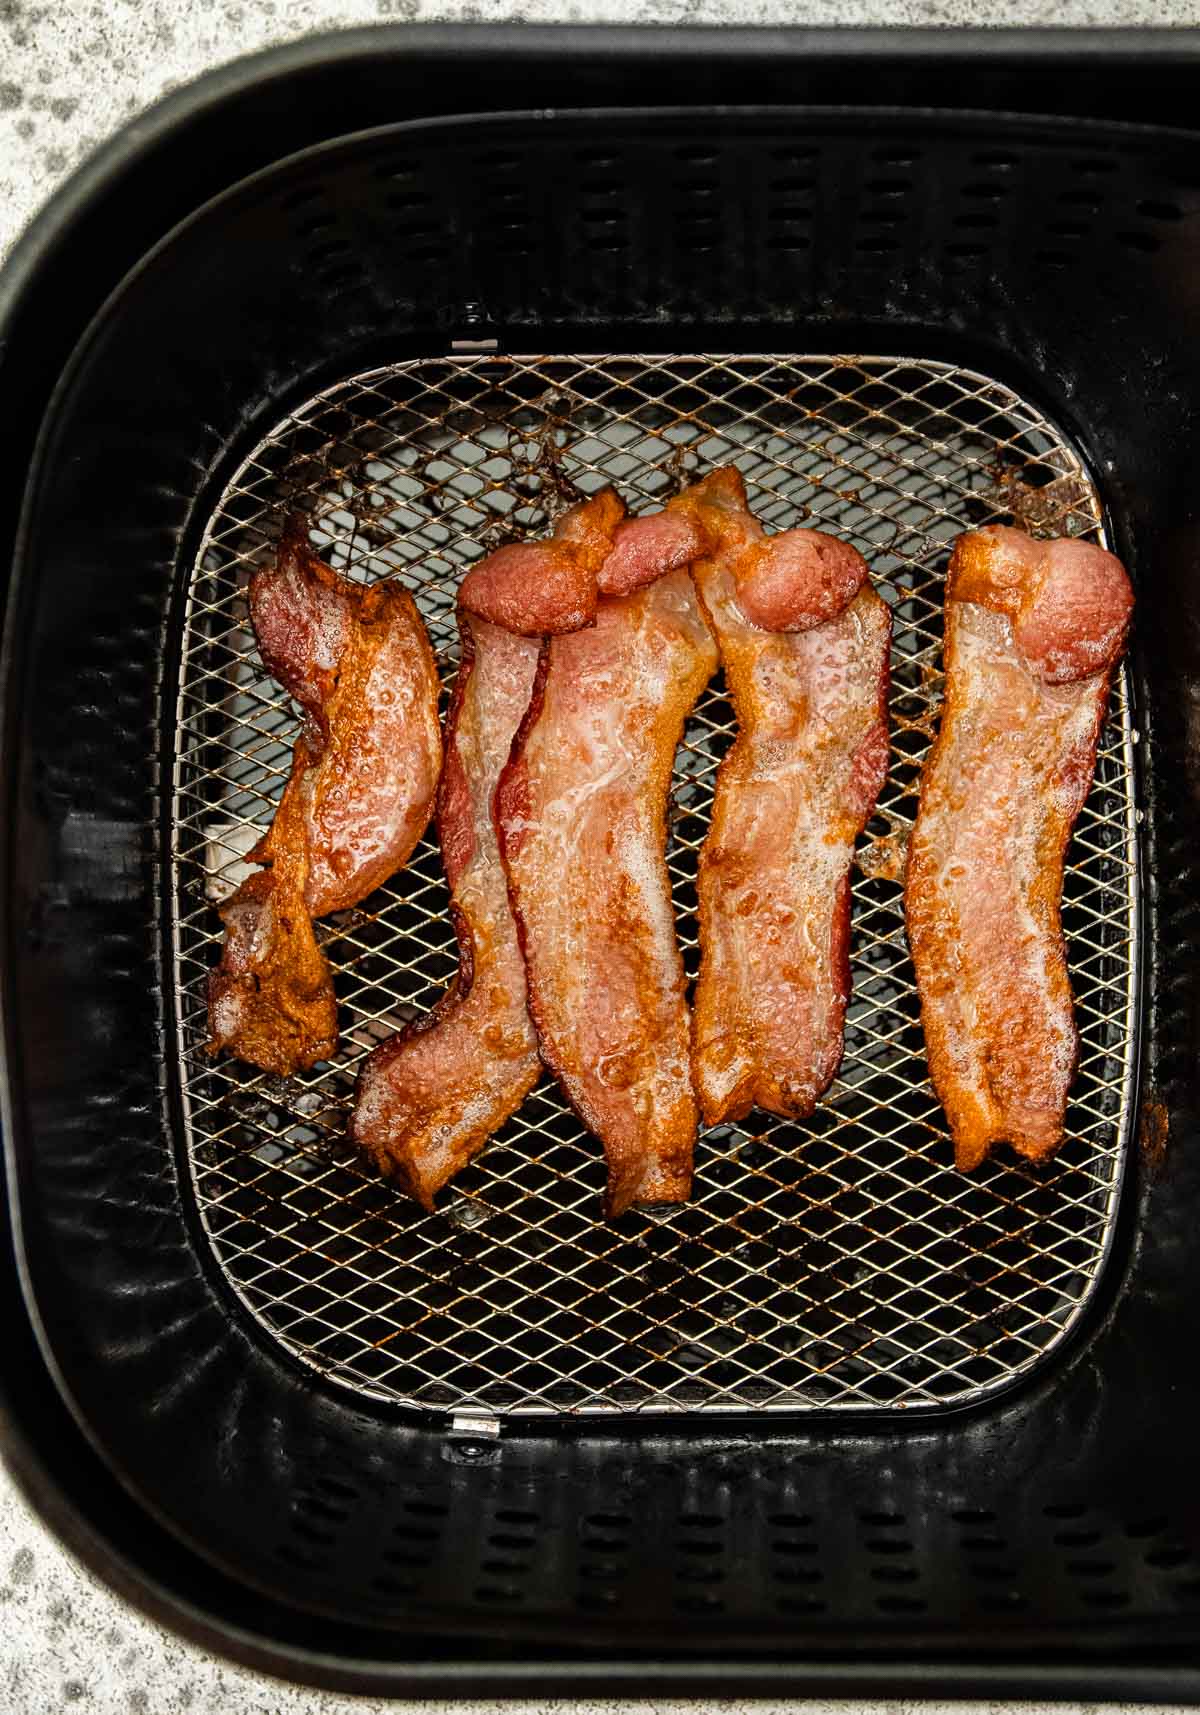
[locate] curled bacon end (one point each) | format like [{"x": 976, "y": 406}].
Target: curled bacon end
[
  {"x": 644, "y": 548},
  {"x": 799, "y": 579},
  {"x": 793, "y": 581},
  {"x": 547, "y": 588},
  {"x": 1069, "y": 602}
]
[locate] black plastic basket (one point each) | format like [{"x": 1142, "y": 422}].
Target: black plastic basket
[{"x": 298, "y": 219}]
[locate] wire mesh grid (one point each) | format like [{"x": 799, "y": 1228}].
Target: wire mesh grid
[{"x": 841, "y": 1263}]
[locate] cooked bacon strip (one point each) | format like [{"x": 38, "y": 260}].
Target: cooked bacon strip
[
  {"x": 364, "y": 770},
  {"x": 792, "y": 795},
  {"x": 581, "y": 816},
  {"x": 429, "y": 1098},
  {"x": 1033, "y": 632}
]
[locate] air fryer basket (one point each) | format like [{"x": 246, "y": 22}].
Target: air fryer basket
[
  {"x": 840, "y": 1264},
  {"x": 1050, "y": 263}
]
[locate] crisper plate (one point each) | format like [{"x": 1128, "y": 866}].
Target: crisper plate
[{"x": 841, "y": 1263}]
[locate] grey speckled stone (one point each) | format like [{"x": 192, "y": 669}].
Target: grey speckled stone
[{"x": 71, "y": 71}]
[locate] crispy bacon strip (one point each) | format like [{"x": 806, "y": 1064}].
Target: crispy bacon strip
[
  {"x": 1033, "y": 632},
  {"x": 581, "y": 816},
  {"x": 429, "y": 1098},
  {"x": 804, "y": 641},
  {"x": 364, "y": 770}
]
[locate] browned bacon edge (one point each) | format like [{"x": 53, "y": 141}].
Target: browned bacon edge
[
  {"x": 270, "y": 998},
  {"x": 451, "y": 815},
  {"x": 512, "y": 790}
]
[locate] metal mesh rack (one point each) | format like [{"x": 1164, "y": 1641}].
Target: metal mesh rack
[{"x": 841, "y": 1263}]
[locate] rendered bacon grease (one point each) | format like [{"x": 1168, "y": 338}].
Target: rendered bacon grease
[
  {"x": 804, "y": 641},
  {"x": 364, "y": 770},
  {"x": 1033, "y": 632}
]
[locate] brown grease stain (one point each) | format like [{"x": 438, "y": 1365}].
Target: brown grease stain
[
  {"x": 1041, "y": 509},
  {"x": 1154, "y": 1129}
]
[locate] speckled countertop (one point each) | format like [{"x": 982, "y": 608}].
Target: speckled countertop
[
  {"x": 66, "y": 1645},
  {"x": 71, "y": 72}
]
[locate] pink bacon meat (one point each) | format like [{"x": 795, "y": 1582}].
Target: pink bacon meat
[
  {"x": 1033, "y": 633},
  {"x": 804, "y": 641}
]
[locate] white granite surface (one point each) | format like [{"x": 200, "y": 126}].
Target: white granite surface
[{"x": 71, "y": 71}]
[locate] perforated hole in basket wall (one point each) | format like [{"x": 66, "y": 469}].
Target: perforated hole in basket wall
[{"x": 840, "y": 1263}]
